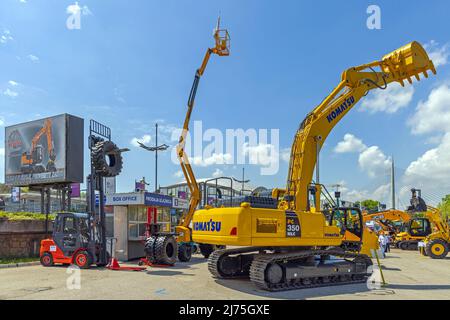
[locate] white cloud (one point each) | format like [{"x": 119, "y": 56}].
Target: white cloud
[
  {"x": 10, "y": 93},
  {"x": 178, "y": 174},
  {"x": 2, "y": 152},
  {"x": 33, "y": 58},
  {"x": 432, "y": 115},
  {"x": 434, "y": 163},
  {"x": 390, "y": 100},
  {"x": 262, "y": 154},
  {"x": 373, "y": 161},
  {"x": 350, "y": 144},
  {"x": 438, "y": 54},
  {"x": 217, "y": 173},
  {"x": 216, "y": 158},
  {"x": 75, "y": 9},
  {"x": 144, "y": 139},
  {"x": 5, "y": 36},
  {"x": 286, "y": 154},
  {"x": 13, "y": 83}
]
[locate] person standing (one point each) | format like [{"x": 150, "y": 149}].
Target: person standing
[
  {"x": 388, "y": 243},
  {"x": 382, "y": 242}
]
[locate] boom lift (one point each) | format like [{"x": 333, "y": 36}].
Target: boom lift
[
  {"x": 278, "y": 241},
  {"x": 154, "y": 246},
  {"x": 32, "y": 162}
]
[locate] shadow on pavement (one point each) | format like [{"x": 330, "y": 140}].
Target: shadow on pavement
[
  {"x": 168, "y": 273},
  {"x": 244, "y": 285},
  {"x": 418, "y": 286}
]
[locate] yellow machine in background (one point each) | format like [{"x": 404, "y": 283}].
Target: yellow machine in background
[
  {"x": 280, "y": 238},
  {"x": 437, "y": 244}
]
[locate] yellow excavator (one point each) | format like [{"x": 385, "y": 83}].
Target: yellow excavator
[
  {"x": 437, "y": 244},
  {"x": 32, "y": 162},
  {"x": 288, "y": 241},
  {"x": 405, "y": 227}
]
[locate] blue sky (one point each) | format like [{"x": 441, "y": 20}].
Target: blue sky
[{"x": 132, "y": 63}]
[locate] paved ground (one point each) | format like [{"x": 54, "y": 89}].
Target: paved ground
[{"x": 410, "y": 276}]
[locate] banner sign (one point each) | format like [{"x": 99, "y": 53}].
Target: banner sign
[
  {"x": 156, "y": 199},
  {"x": 133, "y": 198},
  {"x": 75, "y": 190}
]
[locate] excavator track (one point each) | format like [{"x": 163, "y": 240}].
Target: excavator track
[
  {"x": 261, "y": 263},
  {"x": 256, "y": 266},
  {"x": 214, "y": 262}
]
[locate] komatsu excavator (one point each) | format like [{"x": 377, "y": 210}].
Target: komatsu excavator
[{"x": 287, "y": 241}]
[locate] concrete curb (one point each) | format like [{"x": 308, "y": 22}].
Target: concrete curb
[{"x": 20, "y": 264}]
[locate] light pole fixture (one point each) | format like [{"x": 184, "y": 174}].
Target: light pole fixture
[
  {"x": 243, "y": 181},
  {"x": 156, "y": 148}
]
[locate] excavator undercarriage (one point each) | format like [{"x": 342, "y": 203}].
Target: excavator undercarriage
[{"x": 276, "y": 269}]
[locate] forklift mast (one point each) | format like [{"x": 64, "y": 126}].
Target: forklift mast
[{"x": 95, "y": 182}]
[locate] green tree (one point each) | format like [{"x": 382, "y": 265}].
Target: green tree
[
  {"x": 444, "y": 206},
  {"x": 369, "y": 204}
]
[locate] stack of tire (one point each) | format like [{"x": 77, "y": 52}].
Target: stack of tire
[
  {"x": 161, "y": 249},
  {"x": 106, "y": 158},
  {"x": 164, "y": 250}
]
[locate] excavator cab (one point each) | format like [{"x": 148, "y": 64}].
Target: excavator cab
[{"x": 419, "y": 227}]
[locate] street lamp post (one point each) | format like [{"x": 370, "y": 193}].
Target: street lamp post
[
  {"x": 156, "y": 148},
  {"x": 243, "y": 181}
]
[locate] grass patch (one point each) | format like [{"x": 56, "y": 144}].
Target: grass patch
[
  {"x": 17, "y": 260},
  {"x": 17, "y": 216}
]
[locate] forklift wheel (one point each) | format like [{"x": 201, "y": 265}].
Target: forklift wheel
[
  {"x": 184, "y": 252},
  {"x": 82, "y": 260},
  {"x": 47, "y": 260}
]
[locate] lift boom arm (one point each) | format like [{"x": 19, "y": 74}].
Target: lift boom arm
[
  {"x": 398, "y": 66},
  {"x": 221, "y": 48}
]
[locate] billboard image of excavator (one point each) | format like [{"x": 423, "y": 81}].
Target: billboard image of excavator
[{"x": 32, "y": 161}]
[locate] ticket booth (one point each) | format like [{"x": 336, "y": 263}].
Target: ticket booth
[{"x": 133, "y": 213}]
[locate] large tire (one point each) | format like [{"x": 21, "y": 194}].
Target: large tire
[
  {"x": 207, "y": 249},
  {"x": 184, "y": 252},
  {"x": 82, "y": 260},
  {"x": 150, "y": 249},
  {"x": 46, "y": 260},
  {"x": 166, "y": 250},
  {"x": 107, "y": 159},
  {"x": 437, "y": 249}
]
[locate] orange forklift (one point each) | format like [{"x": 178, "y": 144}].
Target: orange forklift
[{"x": 80, "y": 238}]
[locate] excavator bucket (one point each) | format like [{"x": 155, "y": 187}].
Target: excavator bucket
[{"x": 408, "y": 61}]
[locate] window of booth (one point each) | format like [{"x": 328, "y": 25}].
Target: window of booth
[
  {"x": 137, "y": 219},
  {"x": 164, "y": 218}
]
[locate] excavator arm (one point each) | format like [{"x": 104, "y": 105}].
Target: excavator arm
[
  {"x": 402, "y": 64},
  {"x": 221, "y": 48},
  {"x": 392, "y": 215}
]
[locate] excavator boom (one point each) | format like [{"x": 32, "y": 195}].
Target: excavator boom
[{"x": 356, "y": 82}]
